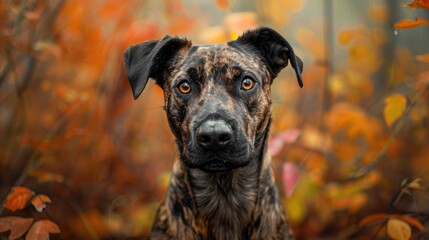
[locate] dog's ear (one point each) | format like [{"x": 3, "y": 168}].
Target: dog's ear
[
  {"x": 150, "y": 59},
  {"x": 274, "y": 50}
]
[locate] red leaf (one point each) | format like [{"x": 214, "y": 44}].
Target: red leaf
[
  {"x": 291, "y": 175},
  {"x": 41, "y": 229},
  {"x": 372, "y": 218},
  {"x": 276, "y": 143},
  {"x": 414, "y": 222},
  {"x": 17, "y": 226},
  {"x": 18, "y": 198},
  {"x": 417, "y": 4},
  {"x": 39, "y": 202}
]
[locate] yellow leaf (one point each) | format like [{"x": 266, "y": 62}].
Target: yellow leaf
[
  {"x": 295, "y": 209},
  {"x": 395, "y": 107},
  {"x": 398, "y": 229}
]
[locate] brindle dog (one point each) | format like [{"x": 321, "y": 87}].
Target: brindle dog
[{"x": 217, "y": 99}]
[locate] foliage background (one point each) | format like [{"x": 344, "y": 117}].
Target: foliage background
[{"x": 351, "y": 147}]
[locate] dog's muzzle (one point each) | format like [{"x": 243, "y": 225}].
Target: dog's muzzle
[{"x": 217, "y": 146}]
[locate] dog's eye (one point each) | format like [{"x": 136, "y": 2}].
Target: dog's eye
[
  {"x": 184, "y": 87},
  {"x": 247, "y": 84}
]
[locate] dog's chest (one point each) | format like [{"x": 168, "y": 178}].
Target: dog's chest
[{"x": 226, "y": 201}]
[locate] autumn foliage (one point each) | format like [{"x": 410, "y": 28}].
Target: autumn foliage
[{"x": 80, "y": 159}]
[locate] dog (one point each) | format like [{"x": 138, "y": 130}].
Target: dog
[{"x": 217, "y": 99}]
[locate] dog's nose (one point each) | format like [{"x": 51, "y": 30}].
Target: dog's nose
[{"x": 214, "y": 134}]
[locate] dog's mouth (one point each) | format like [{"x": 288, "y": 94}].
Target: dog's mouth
[
  {"x": 220, "y": 166},
  {"x": 215, "y": 162}
]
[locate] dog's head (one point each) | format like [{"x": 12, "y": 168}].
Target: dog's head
[{"x": 217, "y": 97}]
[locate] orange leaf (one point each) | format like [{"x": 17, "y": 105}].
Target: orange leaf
[
  {"x": 417, "y": 4},
  {"x": 407, "y": 23},
  {"x": 17, "y": 226},
  {"x": 223, "y": 4},
  {"x": 43, "y": 176},
  {"x": 18, "y": 198},
  {"x": 39, "y": 202},
  {"x": 423, "y": 58},
  {"x": 345, "y": 37},
  {"x": 372, "y": 218},
  {"x": 415, "y": 222},
  {"x": 398, "y": 229},
  {"x": 41, "y": 229}
]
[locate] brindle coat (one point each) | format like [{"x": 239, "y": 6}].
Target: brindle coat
[{"x": 217, "y": 99}]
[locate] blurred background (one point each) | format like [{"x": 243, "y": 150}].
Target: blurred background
[{"x": 351, "y": 149}]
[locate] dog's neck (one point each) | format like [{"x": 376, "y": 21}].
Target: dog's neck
[{"x": 225, "y": 201}]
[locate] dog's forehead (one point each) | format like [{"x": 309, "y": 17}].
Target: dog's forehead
[
  {"x": 216, "y": 55},
  {"x": 217, "y": 62}
]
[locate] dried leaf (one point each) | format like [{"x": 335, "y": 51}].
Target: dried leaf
[
  {"x": 414, "y": 222},
  {"x": 417, "y": 4},
  {"x": 48, "y": 47},
  {"x": 408, "y": 23},
  {"x": 39, "y": 202},
  {"x": 16, "y": 225},
  {"x": 416, "y": 184},
  {"x": 41, "y": 229},
  {"x": 398, "y": 229},
  {"x": 43, "y": 176},
  {"x": 18, "y": 198},
  {"x": 372, "y": 218},
  {"x": 395, "y": 107}
]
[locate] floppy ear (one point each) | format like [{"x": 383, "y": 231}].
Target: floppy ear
[
  {"x": 150, "y": 59},
  {"x": 273, "y": 48}
]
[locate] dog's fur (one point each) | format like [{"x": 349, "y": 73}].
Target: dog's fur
[{"x": 222, "y": 187}]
